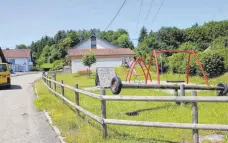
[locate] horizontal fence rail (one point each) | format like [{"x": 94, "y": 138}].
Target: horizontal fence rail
[
  {"x": 160, "y": 86},
  {"x": 168, "y": 125},
  {"x": 168, "y": 98},
  {"x": 51, "y": 85}
]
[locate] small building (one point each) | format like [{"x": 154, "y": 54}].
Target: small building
[
  {"x": 107, "y": 54},
  {"x": 19, "y": 60}
]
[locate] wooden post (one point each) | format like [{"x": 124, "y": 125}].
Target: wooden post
[
  {"x": 182, "y": 92},
  {"x": 176, "y": 94},
  {"x": 46, "y": 81},
  {"x": 54, "y": 84},
  {"x": 62, "y": 90},
  {"x": 103, "y": 113},
  {"x": 49, "y": 82},
  {"x": 195, "y": 119},
  {"x": 77, "y": 99}
]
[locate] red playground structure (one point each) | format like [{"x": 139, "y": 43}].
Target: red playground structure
[{"x": 146, "y": 70}]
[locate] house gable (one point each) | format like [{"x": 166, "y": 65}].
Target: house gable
[{"x": 94, "y": 42}]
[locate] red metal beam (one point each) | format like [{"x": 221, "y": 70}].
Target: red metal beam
[{"x": 188, "y": 67}]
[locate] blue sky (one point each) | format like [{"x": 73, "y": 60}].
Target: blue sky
[{"x": 24, "y": 21}]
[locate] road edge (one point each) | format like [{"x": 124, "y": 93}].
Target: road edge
[{"x": 56, "y": 129}]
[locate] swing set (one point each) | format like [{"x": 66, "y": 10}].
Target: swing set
[{"x": 154, "y": 53}]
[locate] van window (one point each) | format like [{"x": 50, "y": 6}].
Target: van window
[{"x": 3, "y": 68}]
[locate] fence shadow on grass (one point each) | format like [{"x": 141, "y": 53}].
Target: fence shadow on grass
[{"x": 135, "y": 113}]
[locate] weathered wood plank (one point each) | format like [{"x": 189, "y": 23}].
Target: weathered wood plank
[
  {"x": 77, "y": 99},
  {"x": 103, "y": 114},
  {"x": 62, "y": 90},
  {"x": 167, "y": 124},
  {"x": 195, "y": 132},
  {"x": 182, "y": 92},
  {"x": 168, "y": 98}
]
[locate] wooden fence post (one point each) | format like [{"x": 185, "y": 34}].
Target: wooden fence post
[
  {"x": 195, "y": 119},
  {"x": 103, "y": 113},
  {"x": 50, "y": 82},
  {"x": 54, "y": 84},
  {"x": 46, "y": 81},
  {"x": 182, "y": 92},
  {"x": 176, "y": 94},
  {"x": 62, "y": 90},
  {"x": 77, "y": 99}
]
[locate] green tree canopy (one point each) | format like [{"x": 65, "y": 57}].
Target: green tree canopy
[
  {"x": 21, "y": 46},
  {"x": 143, "y": 34},
  {"x": 88, "y": 60}
]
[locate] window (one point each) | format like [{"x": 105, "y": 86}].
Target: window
[
  {"x": 11, "y": 61},
  {"x": 3, "y": 68},
  {"x": 93, "y": 42}
]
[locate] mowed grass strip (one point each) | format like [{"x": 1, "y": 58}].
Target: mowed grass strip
[{"x": 77, "y": 129}]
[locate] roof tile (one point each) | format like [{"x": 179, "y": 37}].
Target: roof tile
[{"x": 17, "y": 53}]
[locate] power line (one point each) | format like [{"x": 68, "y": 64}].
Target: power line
[
  {"x": 115, "y": 15},
  {"x": 158, "y": 11},
  {"x": 148, "y": 13},
  {"x": 139, "y": 15}
]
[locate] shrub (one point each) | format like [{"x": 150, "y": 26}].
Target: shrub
[
  {"x": 224, "y": 53},
  {"x": 34, "y": 69},
  {"x": 213, "y": 63},
  {"x": 57, "y": 65},
  {"x": 178, "y": 64},
  {"x": 164, "y": 64}
]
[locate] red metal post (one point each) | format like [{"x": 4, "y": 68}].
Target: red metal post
[
  {"x": 188, "y": 67},
  {"x": 141, "y": 61},
  {"x": 133, "y": 66},
  {"x": 148, "y": 68},
  {"x": 157, "y": 67},
  {"x": 201, "y": 67},
  {"x": 129, "y": 69}
]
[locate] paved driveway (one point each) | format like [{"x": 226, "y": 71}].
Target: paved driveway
[{"x": 19, "y": 120}]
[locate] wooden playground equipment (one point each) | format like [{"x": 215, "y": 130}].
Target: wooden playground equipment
[{"x": 154, "y": 53}]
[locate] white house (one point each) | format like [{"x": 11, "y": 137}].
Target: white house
[
  {"x": 19, "y": 59},
  {"x": 107, "y": 54}
]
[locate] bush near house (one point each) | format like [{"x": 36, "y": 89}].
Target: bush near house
[
  {"x": 57, "y": 65},
  {"x": 213, "y": 63},
  {"x": 46, "y": 66}
]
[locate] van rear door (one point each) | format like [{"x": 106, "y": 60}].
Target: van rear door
[{"x": 3, "y": 73}]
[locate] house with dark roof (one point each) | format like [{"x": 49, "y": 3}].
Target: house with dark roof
[
  {"x": 19, "y": 60},
  {"x": 107, "y": 54}
]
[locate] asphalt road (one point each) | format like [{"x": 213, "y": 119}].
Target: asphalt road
[{"x": 20, "y": 122}]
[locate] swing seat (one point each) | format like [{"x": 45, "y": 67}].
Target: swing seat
[{"x": 175, "y": 81}]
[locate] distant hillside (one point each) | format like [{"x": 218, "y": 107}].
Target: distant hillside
[{"x": 211, "y": 34}]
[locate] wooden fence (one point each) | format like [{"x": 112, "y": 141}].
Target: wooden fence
[{"x": 104, "y": 121}]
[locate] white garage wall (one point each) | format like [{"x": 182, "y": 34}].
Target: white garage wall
[{"x": 103, "y": 62}]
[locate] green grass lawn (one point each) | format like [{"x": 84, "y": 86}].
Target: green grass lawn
[{"x": 75, "y": 129}]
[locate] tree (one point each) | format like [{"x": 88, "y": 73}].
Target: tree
[
  {"x": 88, "y": 60},
  {"x": 60, "y": 35},
  {"x": 195, "y": 25},
  {"x": 143, "y": 34},
  {"x": 21, "y": 46},
  {"x": 172, "y": 36}
]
